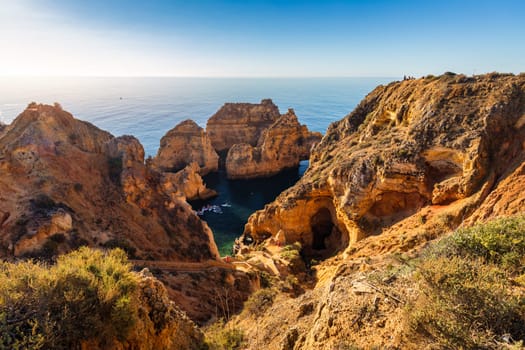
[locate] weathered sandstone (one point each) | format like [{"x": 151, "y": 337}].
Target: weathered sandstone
[
  {"x": 188, "y": 182},
  {"x": 283, "y": 145},
  {"x": 408, "y": 148},
  {"x": 186, "y": 143},
  {"x": 54, "y": 165},
  {"x": 236, "y": 123}
]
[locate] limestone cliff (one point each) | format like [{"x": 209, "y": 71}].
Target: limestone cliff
[
  {"x": 283, "y": 145},
  {"x": 411, "y": 149},
  {"x": 236, "y": 123},
  {"x": 62, "y": 176},
  {"x": 186, "y": 143},
  {"x": 415, "y": 160},
  {"x": 187, "y": 182}
]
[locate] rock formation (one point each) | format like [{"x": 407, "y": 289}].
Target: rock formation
[
  {"x": 188, "y": 182},
  {"x": 283, "y": 145},
  {"x": 186, "y": 143},
  {"x": 408, "y": 149},
  {"x": 415, "y": 160},
  {"x": 161, "y": 324},
  {"x": 236, "y": 123},
  {"x": 55, "y": 167}
]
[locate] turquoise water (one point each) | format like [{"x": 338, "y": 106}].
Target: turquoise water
[{"x": 148, "y": 107}]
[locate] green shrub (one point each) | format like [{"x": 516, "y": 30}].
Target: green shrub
[
  {"x": 86, "y": 295},
  {"x": 221, "y": 337},
  {"x": 501, "y": 242},
  {"x": 468, "y": 297},
  {"x": 260, "y": 301},
  {"x": 121, "y": 243}
]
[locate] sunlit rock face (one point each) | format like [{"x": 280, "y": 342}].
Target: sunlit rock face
[
  {"x": 186, "y": 143},
  {"x": 408, "y": 149},
  {"x": 240, "y": 123},
  {"x": 283, "y": 145},
  {"x": 66, "y": 183}
]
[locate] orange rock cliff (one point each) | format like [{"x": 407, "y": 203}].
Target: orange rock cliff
[
  {"x": 408, "y": 148},
  {"x": 283, "y": 145},
  {"x": 64, "y": 176}
]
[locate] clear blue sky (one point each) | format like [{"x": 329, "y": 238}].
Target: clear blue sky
[{"x": 260, "y": 38}]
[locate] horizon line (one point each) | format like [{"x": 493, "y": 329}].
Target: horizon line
[{"x": 197, "y": 76}]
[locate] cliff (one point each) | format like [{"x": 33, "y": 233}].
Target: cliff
[
  {"x": 62, "y": 176},
  {"x": 415, "y": 148},
  {"x": 66, "y": 184},
  {"x": 186, "y": 143},
  {"x": 236, "y": 123},
  {"x": 283, "y": 145},
  {"x": 416, "y": 160}
]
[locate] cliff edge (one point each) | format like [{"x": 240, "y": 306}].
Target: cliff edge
[{"x": 412, "y": 153}]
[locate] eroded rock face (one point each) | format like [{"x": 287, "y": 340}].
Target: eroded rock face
[
  {"x": 410, "y": 145},
  {"x": 188, "y": 182},
  {"x": 238, "y": 123},
  {"x": 283, "y": 145},
  {"x": 126, "y": 147},
  {"x": 67, "y": 177},
  {"x": 186, "y": 143}
]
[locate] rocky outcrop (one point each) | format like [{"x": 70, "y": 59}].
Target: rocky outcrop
[
  {"x": 126, "y": 147},
  {"x": 508, "y": 198},
  {"x": 407, "y": 150},
  {"x": 238, "y": 123},
  {"x": 55, "y": 167},
  {"x": 160, "y": 325},
  {"x": 283, "y": 145},
  {"x": 184, "y": 144},
  {"x": 188, "y": 182}
]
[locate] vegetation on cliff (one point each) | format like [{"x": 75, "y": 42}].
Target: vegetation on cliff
[
  {"x": 472, "y": 287},
  {"x": 88, "y": 297}
]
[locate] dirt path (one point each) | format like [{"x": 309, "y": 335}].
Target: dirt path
[{"x": 178, "y": 266}]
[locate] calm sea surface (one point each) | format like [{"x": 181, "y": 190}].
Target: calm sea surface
[{"x": 148, "y": 107}]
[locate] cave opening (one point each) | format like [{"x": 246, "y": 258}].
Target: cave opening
[
  {"x": 322, "y": 225},
  {"x": 326, "y": 238}
]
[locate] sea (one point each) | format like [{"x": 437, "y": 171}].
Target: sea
[{"x": 148, "y": 107}]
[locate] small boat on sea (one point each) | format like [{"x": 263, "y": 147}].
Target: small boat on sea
[
  {"x": 213, "y": 208},
  {"x": 226, "y": 205}
]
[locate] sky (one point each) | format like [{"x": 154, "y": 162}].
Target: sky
[{"x": 256, "y": 38}]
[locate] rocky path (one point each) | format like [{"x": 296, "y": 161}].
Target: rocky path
[{"x": 178, "y": 266}]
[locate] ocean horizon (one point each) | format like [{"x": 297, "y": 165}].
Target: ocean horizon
[{"x": 147, "y": 107}]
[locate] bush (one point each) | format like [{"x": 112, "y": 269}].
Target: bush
[
  {"x": 260, "y": 301},
  {"x": 219, "y": 337},
  {"x": 500, "y": 242},
  {"x": 468, "y": 297},
  {"x": 86, "y": 295},
  {"x": 123, "y": 244}
]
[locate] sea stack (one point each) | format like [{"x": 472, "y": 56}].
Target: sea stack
[
  {"x": 283, "y": 145},
  {"x": 184, "y": 144},
  {"x": 236, "y": 123}
]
